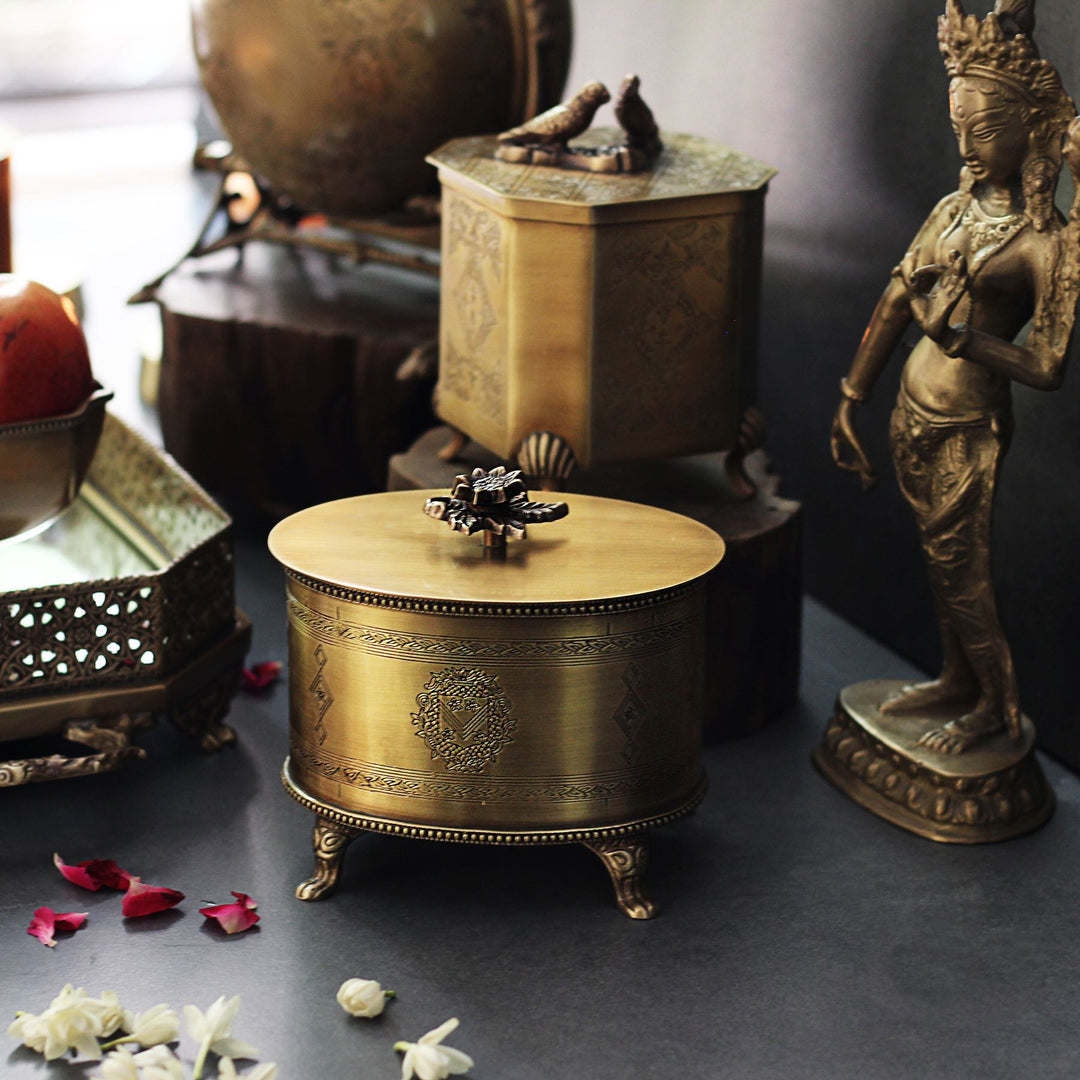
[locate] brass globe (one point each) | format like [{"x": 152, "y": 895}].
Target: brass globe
[{"x": 337, "y": 102}]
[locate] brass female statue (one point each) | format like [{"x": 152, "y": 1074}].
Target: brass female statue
[{"x": 992, "y": 256}]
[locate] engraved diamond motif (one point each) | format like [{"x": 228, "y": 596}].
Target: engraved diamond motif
[
  {"x": 320, "y": 690},
  {"x": 631, "y": 713}
]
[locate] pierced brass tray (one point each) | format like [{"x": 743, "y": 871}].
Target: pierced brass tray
[{"x": 122, "y": 609}]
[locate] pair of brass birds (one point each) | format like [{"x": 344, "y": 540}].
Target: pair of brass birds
[{"x": 545, "y": 139}]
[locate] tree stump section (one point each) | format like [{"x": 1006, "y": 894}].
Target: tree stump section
[
  {"x": 280, "y": 380},
  {"x": 754, "y": 597}
]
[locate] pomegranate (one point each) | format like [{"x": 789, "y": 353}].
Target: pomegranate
[{"x": 44, "y": 363}]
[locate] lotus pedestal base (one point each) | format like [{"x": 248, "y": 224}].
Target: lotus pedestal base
[{"x": 992, "y": 791}]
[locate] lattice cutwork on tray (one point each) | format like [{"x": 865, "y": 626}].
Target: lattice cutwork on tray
[{"x": 82, "y": 636}]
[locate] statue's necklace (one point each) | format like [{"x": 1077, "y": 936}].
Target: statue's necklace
[{"x": 988, "y": 235}]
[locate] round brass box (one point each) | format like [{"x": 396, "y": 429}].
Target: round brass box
[{"x": 553, "y": 694}]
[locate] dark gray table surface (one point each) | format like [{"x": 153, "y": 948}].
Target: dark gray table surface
[{"x": 799, "y": 936}]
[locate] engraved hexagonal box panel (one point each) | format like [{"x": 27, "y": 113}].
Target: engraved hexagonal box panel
[{"x": 619, "y": 311}]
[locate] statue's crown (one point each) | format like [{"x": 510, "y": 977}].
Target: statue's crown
[{"x": 1001, "y": 47}]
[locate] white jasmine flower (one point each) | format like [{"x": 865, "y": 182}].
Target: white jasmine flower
[
  {"x": 159, "y": 1063},
  {"x": 30, "y": 1029},
  {"x": 227, "y": 1071},
  {"x": 157, "y": 1025},
  {"x": 119, "y": 1065},
  {"x": 112, "y": 1015},
  {"x": 73, "y": 1021},
  {"x": 428, "y": 1060},
  {"x": 362, "y": 997},
  {"x": 213, "y": 1031}
]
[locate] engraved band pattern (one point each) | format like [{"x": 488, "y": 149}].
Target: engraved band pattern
[
  {"x": 483, "y": 836},
  {"x": 386, "y": 780},
  {"x": 411, "y": 646}
]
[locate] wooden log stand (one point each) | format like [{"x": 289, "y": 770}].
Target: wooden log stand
[
  {"x": 754, "y": 597},
  {"x": 281, "y": 377}
]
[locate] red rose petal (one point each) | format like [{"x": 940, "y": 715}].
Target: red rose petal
[
  {"x": 143, "y": 899},
  {"x": 233, "y": 918},
  {"x": 46, "y": 921},
  {"x": 94, "y": 874},
  {"x": 260, "y": 676}
]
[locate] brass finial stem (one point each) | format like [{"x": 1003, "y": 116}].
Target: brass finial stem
[{"x": 494, "y": 545}]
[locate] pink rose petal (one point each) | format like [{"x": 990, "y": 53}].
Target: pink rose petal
[
  {"x": 260, "y": 676},
  {"x": 94, "y": 874},
  {"x": 233, "y": 918},
  {"x": 143, "y": 899},
  {"x": 46, "y": 921}
]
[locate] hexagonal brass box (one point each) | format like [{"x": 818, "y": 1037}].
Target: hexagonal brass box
[{"x": 618, "y": 311}]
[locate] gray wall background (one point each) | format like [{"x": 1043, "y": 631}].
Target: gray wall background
[{"x": 847, "y": 98}]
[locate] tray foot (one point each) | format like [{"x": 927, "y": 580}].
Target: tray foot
[
  {"x": 203, "y": 714},
  {"x": 329, "y": 839},
  {"x": 111, "y": 737},
  {"x": 625, "y": 859}
]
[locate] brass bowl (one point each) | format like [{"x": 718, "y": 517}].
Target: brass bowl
[{"x": 43, "y": 464}]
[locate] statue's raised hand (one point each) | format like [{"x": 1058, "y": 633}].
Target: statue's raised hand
[{"x": 934, "y": 291}]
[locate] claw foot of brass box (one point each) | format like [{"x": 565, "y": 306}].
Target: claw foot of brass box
[
  {"x": 625, "y": 859},
  {"x": 329, "y": 839},
  {"x": 992, "y": 791}
]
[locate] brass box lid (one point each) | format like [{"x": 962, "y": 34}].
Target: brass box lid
[
  {"x": 385, "y": 551},
  {"x": 692, "y": 176}
]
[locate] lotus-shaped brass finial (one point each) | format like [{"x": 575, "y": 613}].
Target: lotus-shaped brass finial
[{"x": 495, "y": 503}]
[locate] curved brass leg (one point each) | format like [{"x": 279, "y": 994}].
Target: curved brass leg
[
  {"x": 452, "y": 450},
  {"x": 751, "y": 437},
  {"x": 625, "y": 859},
  {"x": 329, "y": 839}
]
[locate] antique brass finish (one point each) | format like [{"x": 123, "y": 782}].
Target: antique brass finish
[
  {"x": 551, "y": 696},
  {"x": 336, "y": 104},
  {"x": 494, "y": 503},
  {"x": 569, "y": 297},
  {"x": 124, "y": 606},
  {"x": 196, "y": 699},
  {"x": 332, "y": 108},
  {"x": 625, "y": 558},
  {"x": 43, "y": 464},
  {"x": 991, "y": 256},
  {"x": 543, "y": 139},
  {"x": 622, "y": 850},
  {"x": 625, "y": 860},
  {"x": 993, "y": 792}
]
